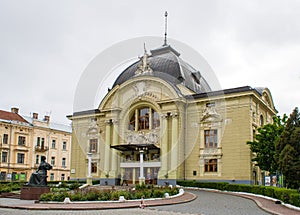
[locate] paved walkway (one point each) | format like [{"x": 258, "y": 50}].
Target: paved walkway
[{"x": 266, "y": 204}]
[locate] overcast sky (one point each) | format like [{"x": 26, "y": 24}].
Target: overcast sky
[{"x": 46, "y": 45}]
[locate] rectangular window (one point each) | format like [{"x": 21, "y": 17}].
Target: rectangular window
[
  {"x": 211, "y": 165},
  {"x": 51, "y": 176},
  {"x": 93, "y": 145},
  {"x": 64, "y": 146},
  {"x": 21, "y": 141},
  {"x": 38, "y": 141},
  {"x": 4, "y": 157},
  {"x": 3, "y": 176},
  {"x": 53, "y": 144},
  {"x": 20, "y": 158},
  {"x": 62, "y": 177},
  {"x": 37, "y": 159},
  {"x": 42, "y": 142},
  {"x": 194, "y": 173},
  {"x": 53, "y": 161},
  {"x": 211, "y": 138},
  {"x": 5, "y": 138},
  {"x": 63, "y": 162},
  {"x": 23, "y": 176},
  {"x": 94, "y": 167}
]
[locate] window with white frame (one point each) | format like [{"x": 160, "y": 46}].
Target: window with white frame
[{"x": 63, "y": 162}]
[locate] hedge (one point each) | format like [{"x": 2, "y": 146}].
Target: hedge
[
  {"x": 289, "y": 196},
  {"x": 6, "y": 187}
]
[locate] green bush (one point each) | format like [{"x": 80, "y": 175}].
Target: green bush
[
  {"x": 286, "y": 195},
  {"x": 294, "y": 199},
  {"x": 269, "y": 191},
  {"x": 6, "y": 187}
]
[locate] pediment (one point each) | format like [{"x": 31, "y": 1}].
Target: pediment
[{"x": 210, "y": 115}]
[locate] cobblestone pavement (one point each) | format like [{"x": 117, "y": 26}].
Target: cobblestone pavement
[
  {"x": 210, "y": 203},
  {"x": 207, "y": 203}
]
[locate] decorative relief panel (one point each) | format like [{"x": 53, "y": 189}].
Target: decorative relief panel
[{"x": 151, "y": 137}]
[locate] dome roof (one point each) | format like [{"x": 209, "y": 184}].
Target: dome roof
[{"x": 166, "y": 64}]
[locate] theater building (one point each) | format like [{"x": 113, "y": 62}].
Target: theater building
[{"x": 161, "y": 122}]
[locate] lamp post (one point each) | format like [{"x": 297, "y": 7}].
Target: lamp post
[
  {"x": 89, "y": 176},
  {"x": 142, "y": 177}
]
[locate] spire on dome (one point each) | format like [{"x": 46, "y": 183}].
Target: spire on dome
[{"x": 166, "y": 22}]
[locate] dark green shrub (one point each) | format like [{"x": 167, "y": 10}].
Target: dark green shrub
[
  {"x": 269, "y": 191},
  {"x": 258, "y": 190},
  {"x": 158, "y": 193},
  {"x": 59, "y": 197},
  {"x": 46, "y": 197},
  {"x": 295, "y": 199},
  {"x": 76, "y": 196},
  {"x": 74, "y": 186}
]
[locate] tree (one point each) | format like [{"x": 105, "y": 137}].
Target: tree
[
  {"x": 288, "y": 150},
  {"x": 264, "y": 144}
]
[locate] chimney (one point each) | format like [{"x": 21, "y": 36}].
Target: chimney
[
  {"x": 47, "y": 118},
  {"x": 15, "y": 110},
  {"x": 35, "y": 115}
]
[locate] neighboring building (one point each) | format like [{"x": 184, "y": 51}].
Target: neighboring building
[
  {"x": 160, "y": 109},
  {"x": 23, "y": 140}
]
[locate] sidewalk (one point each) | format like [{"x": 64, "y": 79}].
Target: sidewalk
[
  {"x": 270, "y": 206},
  {"x": 30, "y": 205}
]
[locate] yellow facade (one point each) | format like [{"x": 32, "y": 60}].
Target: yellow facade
[
  {"x": 182, "y": 131},
  {"x": 41, "y": 138}
]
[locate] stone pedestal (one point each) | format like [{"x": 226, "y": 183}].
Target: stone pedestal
[{"x": 33, "y": 193}]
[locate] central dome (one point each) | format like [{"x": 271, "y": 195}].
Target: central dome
[{"x": 166, "y": 64}]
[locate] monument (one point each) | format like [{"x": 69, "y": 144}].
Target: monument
[{"x": 37, "y": 184}]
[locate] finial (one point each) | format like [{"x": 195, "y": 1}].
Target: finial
[
  {"x": 145, "y": 51},
  {"x": 166, "y": 22}
]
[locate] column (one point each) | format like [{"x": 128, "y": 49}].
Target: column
[
  {"x": 175, "y": 145},
  {"x": 164, "y": 147},
  {"x": 150, "y": 119},
  {"x": 114, "y": 156},
  {"x": 107, "y": 147},
  {"x": 136, "y": 120},
  {"x": 89, "y": 176},
  {"x": 141, "y": 178}
]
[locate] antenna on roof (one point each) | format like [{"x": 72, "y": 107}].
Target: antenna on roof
[{"x": 166, "y": 22}]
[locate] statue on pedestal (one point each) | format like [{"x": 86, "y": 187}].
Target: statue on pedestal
[{"x": 39, "y": 178}]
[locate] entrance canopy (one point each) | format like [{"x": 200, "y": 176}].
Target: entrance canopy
[{"x": 135, "y": 147}]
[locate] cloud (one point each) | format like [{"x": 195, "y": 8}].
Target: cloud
[{"x": 46, "y": 45}]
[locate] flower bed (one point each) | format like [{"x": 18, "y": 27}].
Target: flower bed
[{"x": 93, "y": 194}]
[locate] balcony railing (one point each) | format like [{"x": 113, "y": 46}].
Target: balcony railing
[
  {"x": 136, "y": 164},
  {"x": 41, "y": 148}
]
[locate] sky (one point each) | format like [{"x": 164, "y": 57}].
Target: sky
[{"x": 45, "y": 46}]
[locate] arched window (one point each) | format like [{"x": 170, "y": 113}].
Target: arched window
[{"x": 144, "y": 118}]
